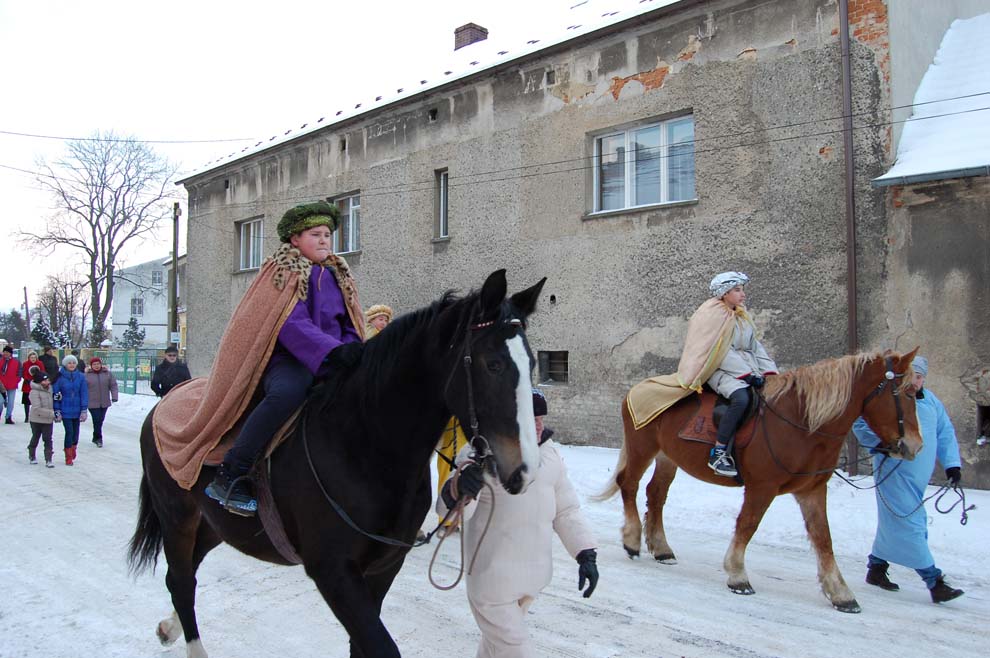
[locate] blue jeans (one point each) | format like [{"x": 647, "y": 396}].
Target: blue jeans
[
  {"x": 11, "y": 398},
  {"x": 285, "y": 383},
  {"x": 928, "y": 574},
  {"x": 71, "y": 426}
]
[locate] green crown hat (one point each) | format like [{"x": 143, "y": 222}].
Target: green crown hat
[{"x": 306, "y": 216}]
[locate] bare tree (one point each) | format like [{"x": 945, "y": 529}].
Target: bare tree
[
  {"x": 109, "y": 191},
  {"x": 65, "y": 303}
]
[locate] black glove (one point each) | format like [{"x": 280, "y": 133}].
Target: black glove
[
  {"x": 469, "y": 483},
  {"x": 587, "y": 570},
  {"x": 342, "y": 357},
  {"x": 954, "y": 475},
  {"x": 756, "y": 381}
]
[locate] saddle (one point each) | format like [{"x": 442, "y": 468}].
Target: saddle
[{"x": 703, "y": 425}]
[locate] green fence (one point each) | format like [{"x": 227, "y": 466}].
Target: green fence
[{"x": 132, "y": 368}]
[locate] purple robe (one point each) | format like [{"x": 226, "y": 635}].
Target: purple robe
[{"x": 317, "y": 325}]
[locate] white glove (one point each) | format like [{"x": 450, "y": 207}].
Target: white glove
[{"x": 82, "y": 416}]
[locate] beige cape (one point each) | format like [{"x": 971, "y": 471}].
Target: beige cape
[
  {"x": 192, "y": 419},
  {"x": 709, "y": 337}
]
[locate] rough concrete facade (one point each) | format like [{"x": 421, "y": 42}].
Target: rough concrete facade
[{"x": 762, "y": 82}]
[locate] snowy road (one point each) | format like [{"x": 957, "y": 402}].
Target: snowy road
[{"x": 65, "y": 592}]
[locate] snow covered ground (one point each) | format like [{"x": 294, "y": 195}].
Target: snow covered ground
[{"x": 65, "y": 592}]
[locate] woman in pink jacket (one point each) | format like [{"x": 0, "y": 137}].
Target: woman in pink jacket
[{"x": 514, "y": 562}]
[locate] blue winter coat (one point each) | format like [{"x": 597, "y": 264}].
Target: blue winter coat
[
  {"x": 74, "y": 393},
  {"x": 902, "y": 485}
]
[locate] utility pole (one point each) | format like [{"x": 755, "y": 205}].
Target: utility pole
[
  {"x": 173, "y": 288},
  {"x": 27, "y": 313}
]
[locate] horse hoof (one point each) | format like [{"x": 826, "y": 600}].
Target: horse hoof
[
  {"x": 631, "y": 552},
  {"x": 742, "y": 588},
  {"x": 665, "y": 558},
  {"x": 168, "y": 631},
  {"x": 847, "y": 606}
]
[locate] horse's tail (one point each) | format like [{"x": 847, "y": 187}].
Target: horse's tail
[
  {"x": 613, "y": 486},
  {"x": 147, "y": 540}
]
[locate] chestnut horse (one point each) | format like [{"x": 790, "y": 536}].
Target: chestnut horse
[
  {"x": 365, "y": 440},
  {"x": 804, "y": 417}
]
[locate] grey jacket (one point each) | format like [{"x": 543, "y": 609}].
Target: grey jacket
[
  {"x": 42, "y": 405},
  {"x": 746, "y": 356},
  {"x": 102, "y": 388}
]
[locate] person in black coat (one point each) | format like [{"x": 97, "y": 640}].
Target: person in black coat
[
  {"x": 169, "y": 373},
  {"x": 50, "y": 361}
]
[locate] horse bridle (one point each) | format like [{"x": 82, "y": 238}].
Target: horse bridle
[{"x": 889, "y": 379}]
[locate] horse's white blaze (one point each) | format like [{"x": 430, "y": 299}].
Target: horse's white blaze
[{"x": 524, "y": 409}]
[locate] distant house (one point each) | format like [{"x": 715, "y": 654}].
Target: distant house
[{"x": 141, "y": 292}]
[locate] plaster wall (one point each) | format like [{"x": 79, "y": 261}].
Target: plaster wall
[{"x": 761, "y": 80}]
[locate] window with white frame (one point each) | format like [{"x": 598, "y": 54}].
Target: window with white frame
[
  {"x": 251, "y": 244},
  {"x": 347, "y": 237},
  {"x": 137, "y": 306},
  {"x": 645, "y": 165},
  {"x": 443, "y": 225},
  {"x": 156, "y": 277}
]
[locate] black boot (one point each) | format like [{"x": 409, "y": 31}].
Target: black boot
[
  {"x": 232, "y": 492},
  {"x": 942, "y": 592},
  {"x": 877, "y": 575}
]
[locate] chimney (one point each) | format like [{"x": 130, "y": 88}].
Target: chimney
[{"x": 465, "y": 35}]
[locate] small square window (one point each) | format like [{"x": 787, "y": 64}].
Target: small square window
[
  {"x": 433, "y": 115},
  {"x": 551, "y": 78},
  {"x": 347, "y": 237},
  {"x": 137, "y": 306},
  {"x": 156, "y": 278},
  {"x": 250, "y": 238},
  {"x": 553, "y": 367}
]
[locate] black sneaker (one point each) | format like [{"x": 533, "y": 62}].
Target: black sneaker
[
  {"x": 98, "y": 442},
  {"x": 233, "y": 494},
  {"x": 721, "y": 462},
  {"x": 877, "y": 575},
  {"x": 943, "y": 592},
  {"x": 9, "y": 421}
]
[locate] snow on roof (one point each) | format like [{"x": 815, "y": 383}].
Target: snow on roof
[
  {"x": 949, "y": 138},
  {"x": 583, "y": 18}
]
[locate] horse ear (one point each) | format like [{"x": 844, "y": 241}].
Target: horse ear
[
  {"x": 525, "y": 300},
  {"x": 492, "y": 293},
  {"x": 906, "y": 359}
]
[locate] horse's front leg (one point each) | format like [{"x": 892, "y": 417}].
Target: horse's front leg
[
  {"x": 656, "y": 498},
  {"x": 813, "y": 507},
  {"x": 755, "y": 504},
  {"x": 349, "y": 596}
]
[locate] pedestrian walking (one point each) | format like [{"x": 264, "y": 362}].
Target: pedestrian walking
[
  {"x": 902, "y": 523},
  {"x": 32, "y": 361},
  {"x": 514, "y": 564},
  {"x": 10, "y": 379},
  {"x": 71, "y": 397},
  {"x": 102, "y": 391},
  {"x": 169, "y": 373},
  {"x": 42, "y": 416}
]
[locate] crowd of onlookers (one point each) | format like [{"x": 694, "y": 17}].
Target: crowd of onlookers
[{"x": 69, "y": 394}]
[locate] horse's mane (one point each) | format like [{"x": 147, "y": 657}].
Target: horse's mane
[{"x": 824, "y": 388}]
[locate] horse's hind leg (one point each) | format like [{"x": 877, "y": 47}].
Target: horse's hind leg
[
  {"x": 813, "y": 508},
  {"x": 185, "y": 547},
  {"x": 755, "y": 504},
  {"x": 656, "y": 498}
]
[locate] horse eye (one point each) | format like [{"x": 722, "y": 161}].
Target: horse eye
[{"x": 494, "y": 367}]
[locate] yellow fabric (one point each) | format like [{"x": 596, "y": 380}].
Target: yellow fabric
[
  {"x": 451, "y": 442},
  {"x": 709, "y": 337}
]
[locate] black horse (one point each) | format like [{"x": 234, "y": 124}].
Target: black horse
[{"x": 369, "y": 438}]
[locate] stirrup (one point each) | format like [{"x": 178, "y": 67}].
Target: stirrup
[{"x": 235, "y": 502}]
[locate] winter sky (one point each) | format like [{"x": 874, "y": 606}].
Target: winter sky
[{"x": 219, "y": 70}]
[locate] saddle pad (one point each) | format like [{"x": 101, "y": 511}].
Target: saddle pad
[{"x": 700, "y": 427}]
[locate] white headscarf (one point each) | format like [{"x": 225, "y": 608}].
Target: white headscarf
[{"x": 726, "y": 281}]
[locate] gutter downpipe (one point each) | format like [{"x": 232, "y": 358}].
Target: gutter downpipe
[{"x": 852, "y": 329}]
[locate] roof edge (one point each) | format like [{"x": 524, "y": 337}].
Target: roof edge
[
  {"x": 966, "y": 172},
  {"x": 495, "y": 68}
]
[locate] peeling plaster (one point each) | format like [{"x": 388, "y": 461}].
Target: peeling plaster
[{"x": 650, "y": 80}]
